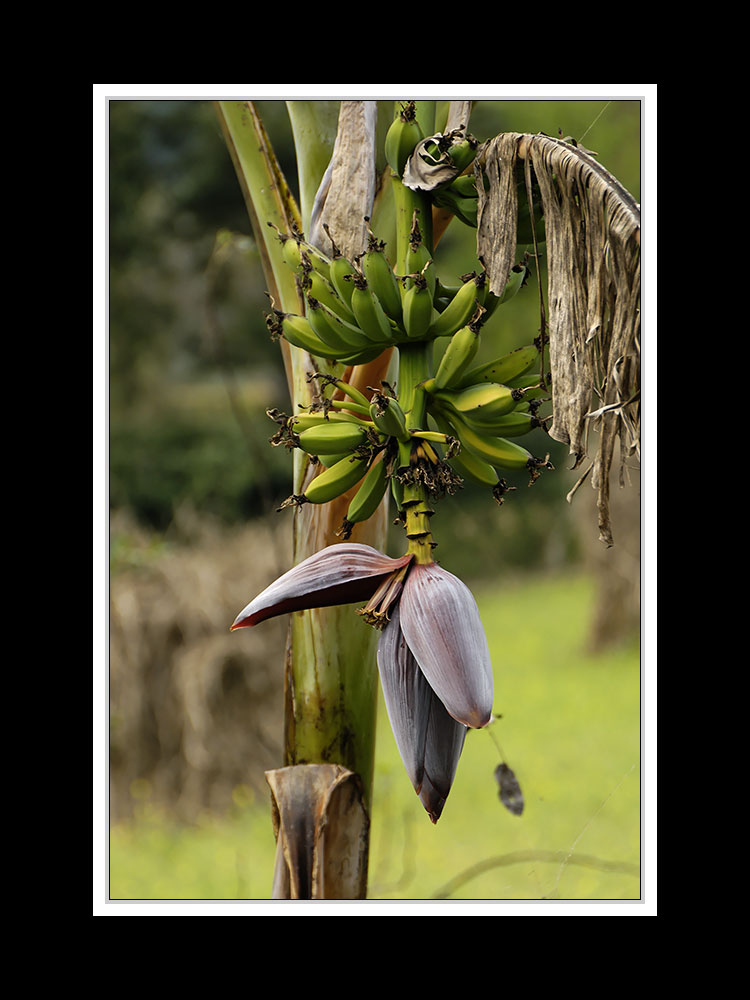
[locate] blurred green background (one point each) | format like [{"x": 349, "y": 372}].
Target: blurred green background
[{"x": 193, "y": 486}]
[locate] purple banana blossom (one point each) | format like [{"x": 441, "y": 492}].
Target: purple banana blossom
[{"x": 433, "y": 658}]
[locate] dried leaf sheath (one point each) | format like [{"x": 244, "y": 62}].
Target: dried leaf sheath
[{"x": 592, "y": 227}]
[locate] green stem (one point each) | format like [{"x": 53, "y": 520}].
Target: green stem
[{"x": 414, "y": 368}]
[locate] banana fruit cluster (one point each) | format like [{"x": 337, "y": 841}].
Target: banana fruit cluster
[
  {"x": 355, "y": 310},
  {"x": 354, "y": 442},
  {"x": 486, "y": 408},
  {"x": 465, "y": 418},
  {"x": 363, "y": 446}
]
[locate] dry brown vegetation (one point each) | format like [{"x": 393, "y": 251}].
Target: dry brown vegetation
[{"x": 196, "y": 711}]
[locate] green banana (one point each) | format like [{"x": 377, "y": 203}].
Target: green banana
[
  {"x": 402, "y": 136},
  {"x": 320, "y": 288},
  {"x": 299, "y": 254},
  {"x": 463, "y": 152},
  {"x": 329, "y": 460},
  {"x": 508, "y": 366},
  {"x": 337, "y": 479},
  {"x": 343, "y": 337},
  {"x": 467, "y": 211},
  {"x": 368, "y": 311},
  {"x": 464, "y": 186},
  {"x": 298, "y": 331},
  {"x": 514, "y": 284},
  {"x": 316, "y": 418},
  {"x": 475, "y": 469},
  {"x": 464, "y": 208},
  {"x": 388, "y": 417},
  {"x": 368, "y": 497},
  {"x": 341, "y": 271},
  {"x": 418, "y": 308},
  {"x": 514, "y": 424},
  {"x": 378, "y": 271},
  {"x": 332, "y": 436},
  {"x": 480, "y": 404},
  {"x": 461, "y": 308},
  {"x": 364, "y": 357},
  {"x": 466, "y": 464},
  {"x": 499, "y": 452},
  {"x": 458, "y": 355}
]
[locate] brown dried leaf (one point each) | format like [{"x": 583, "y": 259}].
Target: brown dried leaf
[
  {"x": 321, "y": 827},
  {"x": 592, "y": 227},
  {"x": 424, "y": 172},
  {"x": 346, "y": 193}
]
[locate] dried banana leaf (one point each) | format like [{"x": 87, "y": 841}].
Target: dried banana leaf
[
  {"x": 592, "y": 230},
  {"x": 347, "y": 190}
]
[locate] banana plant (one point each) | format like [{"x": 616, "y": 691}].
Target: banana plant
[{"x": 387, "y": 406}]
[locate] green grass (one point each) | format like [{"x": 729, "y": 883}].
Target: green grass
[{"x": 569, "y": 728}]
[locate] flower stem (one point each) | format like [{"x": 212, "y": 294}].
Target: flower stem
[{"x": 415, "y": 368}]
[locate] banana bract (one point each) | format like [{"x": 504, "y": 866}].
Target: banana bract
[{"x": 433, "y": 658}]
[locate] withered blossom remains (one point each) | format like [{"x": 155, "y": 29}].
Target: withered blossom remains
[{"x": 433, "y": 657}]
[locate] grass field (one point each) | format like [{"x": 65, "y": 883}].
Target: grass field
[{"x": 569, "y": 727}]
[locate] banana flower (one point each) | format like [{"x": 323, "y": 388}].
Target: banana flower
[{"x": 433, "y": 658}]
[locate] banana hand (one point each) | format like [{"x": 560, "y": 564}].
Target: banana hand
[
  {"x": 340, "y": 335},
  {"x": 479, "y": 404},
  {"x": 301, "y": 255},
  {"x": 507, "y": 366},
  {"x": 496, "y": 451},
  {"x": 297, "y": 331}
]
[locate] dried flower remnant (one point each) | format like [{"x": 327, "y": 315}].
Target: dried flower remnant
[{"x": 510, "y": 793}]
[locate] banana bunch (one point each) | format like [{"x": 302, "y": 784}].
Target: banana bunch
[
  {"x": 355, "y": 310},
  {"x": 343, "y": 442},
  {"x": 485, "y": 419},
  {"x": 469, "y": 416},
  {"x": 485, "y": 407}
]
